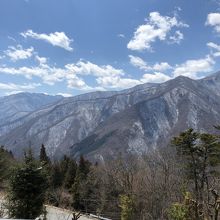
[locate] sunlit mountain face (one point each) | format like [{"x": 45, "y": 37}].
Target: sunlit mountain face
[{"x": 101, "y": 125}]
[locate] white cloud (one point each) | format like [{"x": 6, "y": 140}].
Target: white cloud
[
  {"x": 157, "y": 27},
  {"x": 215, "y": 47},
  {"x": 48, "y": 74},
  {"x": 163, "y": 66},
  {"x": 13, "y": 92},
  {"x": 177, "y": 37},
  {"x": 192, "y": 68},
  {"x": 138, "y": 62},
  {"x": 65, "y": 94},
  {"x": 106, "y": 76},
  {"x": 121, "y": 35},
  {"x": 157, "y": 77},
  {"x": 12, "y": 86},
  {"x": 18, "y": 53},
  {"x": 11, "y": 38},
  {"x": 42, "y": 60},
  {"x": 58, "y": 39},
  {"x": 71, "y": 73},
  {"x": 117, "y": 82},
  {"x": 141, "y": 64},
  {"x": 88, "y": 68},
  {"x": 213, "y": 19}
]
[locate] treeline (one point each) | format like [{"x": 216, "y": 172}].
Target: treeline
[{"x": 178, "y": 182}]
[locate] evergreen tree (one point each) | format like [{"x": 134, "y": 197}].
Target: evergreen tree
[
  {"x": 201, "y": 154},
  {"x": 43, "y": 155},
  {"x": 80, "y": 180},
  {"x": 56, "y": 176},
  {"x": 77, "y": 200},
  {"x": 70, "y": 174},
  {"x": 6, "y": 163},
  {"x": 27, "y": 187},
  {"x": 84, "y": 167}
]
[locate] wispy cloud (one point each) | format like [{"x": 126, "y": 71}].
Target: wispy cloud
[
  {"x": 141, "y": 64},
  {"x": 121, "y": 35},
  {"x": 177, "y": 37},
  {"x": 12, "y": 86},
  {"x": 215, "y": 49},
  {"x": 58, "y": 39}
]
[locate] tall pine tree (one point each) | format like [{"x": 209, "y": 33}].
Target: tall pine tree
[
  {"x": 43, "y": 155},
  {"x": 27, "y": 187}
]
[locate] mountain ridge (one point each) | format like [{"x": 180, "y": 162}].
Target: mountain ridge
[{"x": 133, "y": 120}]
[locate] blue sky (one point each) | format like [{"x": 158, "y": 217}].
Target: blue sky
[{"x": 75, "y": 46}]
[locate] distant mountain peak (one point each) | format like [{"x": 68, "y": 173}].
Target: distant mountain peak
[{"x": 103, "y": 124}]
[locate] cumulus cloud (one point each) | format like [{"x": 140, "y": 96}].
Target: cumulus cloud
[
  {"x": 71, "y": 73},
  {"x": 192, "y": 68},
  {"x": 141, "y": 64},
  {"x": 88, "y": 68},
  {"x": 117, "y": 82},
  {"x": 157, "y": 27},
  {"x": 213, "y": 19},
  {"x": 18, "y": 53},
  {"x": 105, "y": 76},
  {"x": 163, "y": 66},
  {"x": 58, "y": 39},
  {"x": 157, "y": 77}
]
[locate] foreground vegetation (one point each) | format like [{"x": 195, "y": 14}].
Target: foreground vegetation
[{"x": 179, "y": 182}]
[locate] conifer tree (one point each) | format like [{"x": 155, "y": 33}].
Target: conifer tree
[
  {"x": 27, "y": 188},
  {"x": 6, "y": 162},
  {"x": 84, "y": 167},
  {"x": 43, "y": 155},
  {"x": 70, "y": 174},
  {"x": 81, "y": 176},
  {"x": 201, "y": 154}
]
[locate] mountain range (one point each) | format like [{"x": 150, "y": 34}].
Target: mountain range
[{"x": 101, "y": 125}]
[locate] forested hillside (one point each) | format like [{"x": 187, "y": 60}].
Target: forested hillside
[{"x": 176, "y": 182}]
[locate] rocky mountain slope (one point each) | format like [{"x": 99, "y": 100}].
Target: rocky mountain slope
[
  {"x": 102, "y": 124},
  {"x": 15, "y": 106}
]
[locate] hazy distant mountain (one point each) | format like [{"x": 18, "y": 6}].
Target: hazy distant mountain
[
  {"x": 15, "y": 106},
  {"x": 102, "y": 124}
]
